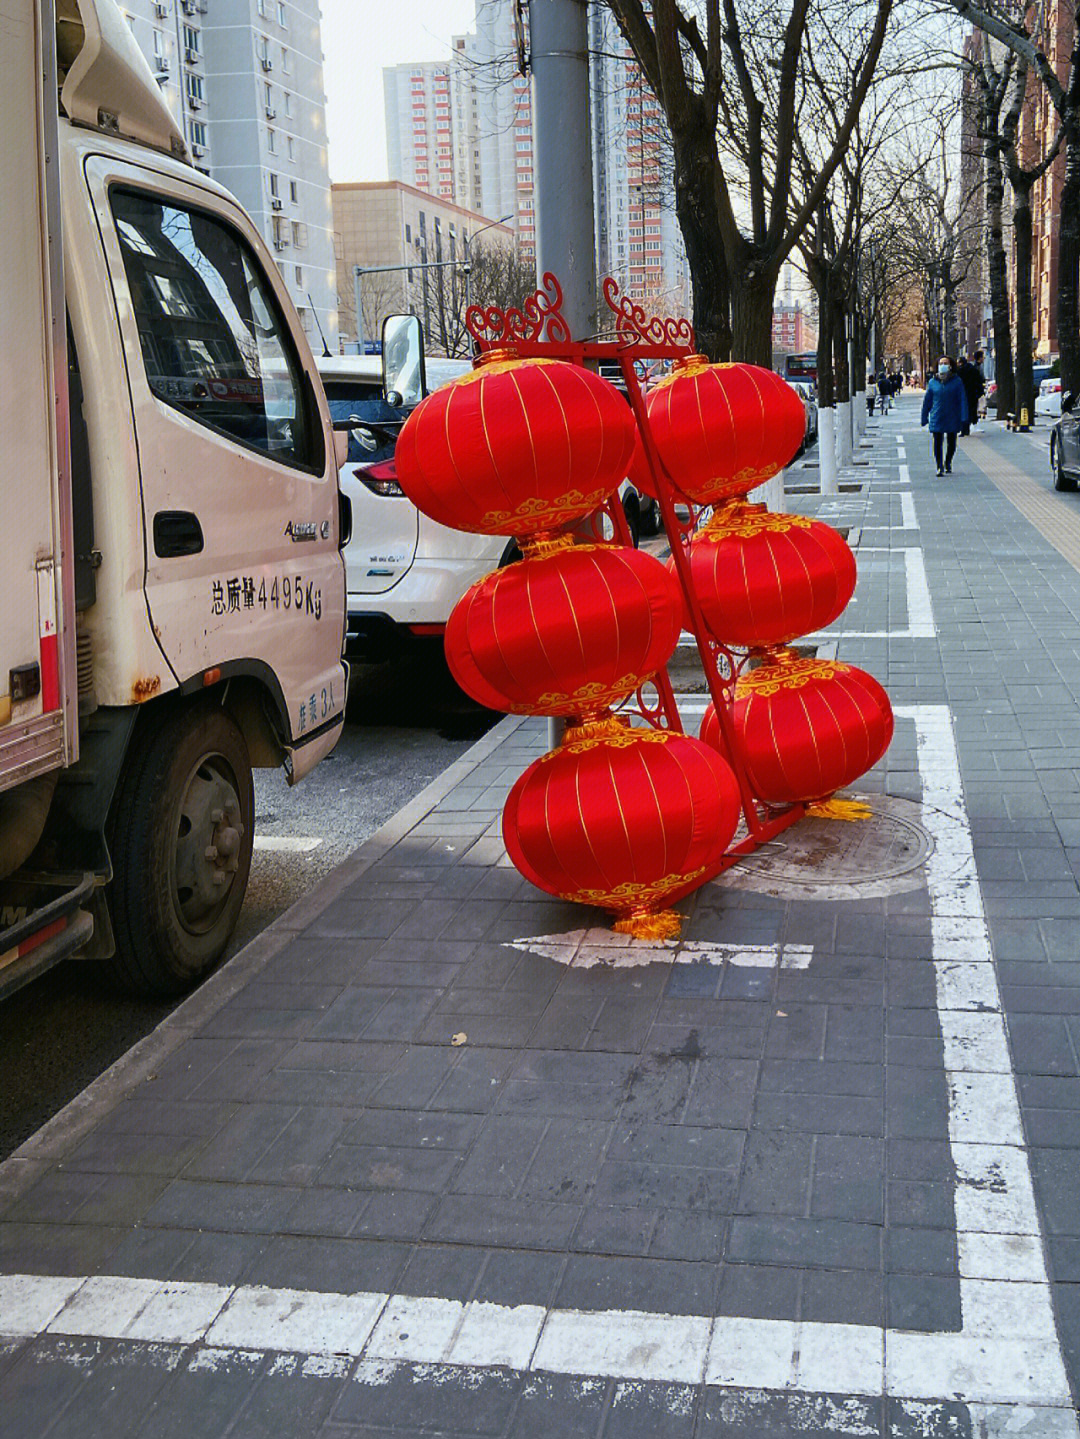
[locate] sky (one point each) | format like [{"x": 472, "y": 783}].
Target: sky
[{"x": 359, "y": 38}]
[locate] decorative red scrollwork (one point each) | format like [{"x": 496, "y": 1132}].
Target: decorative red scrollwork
[
  {"x": 634, "y": 327},
  {"x": 541, "y": 318}
]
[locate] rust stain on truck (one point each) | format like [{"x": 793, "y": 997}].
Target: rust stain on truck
[{"x": 144, "y": 689}]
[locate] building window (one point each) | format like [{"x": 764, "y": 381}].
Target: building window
[
  {"x": 260, "y": 6},
  {"x": 193, "y": 88},
  {"x": 159, "y": 44},
  {"x": 523, "y": 145},
  {"x": 273, "y": 183},
  {"x": 191, "y": 41},
  {"x": 281, "y": 15},
  {"x": 284, "y": 60},
  {"x": 289, "y": 147},
  {"x": 271, "y": 140},
  {"x": 268, "y": 98},
  {"x": 298, "y": 271},
  {"x": 288, "y": 104},
  {"x": 299, "y": 234},
  {"x": 294, "y": 195}
]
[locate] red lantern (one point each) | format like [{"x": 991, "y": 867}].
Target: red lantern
[
  {"x": 627, "y": 819},
  {"x": 721, "y": 430},
  {"x": 569, "y": 630},
  {"x": 763, "y": 579},
  {"x": 808, "y": 727},
  {"x": 710, "y": 733},
  {"x": 516, "y": 446}
]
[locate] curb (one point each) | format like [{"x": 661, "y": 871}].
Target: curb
[{"x": 72, "y": 1123}]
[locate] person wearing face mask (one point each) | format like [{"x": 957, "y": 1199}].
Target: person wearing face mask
[{"x": 945, "y": 409}]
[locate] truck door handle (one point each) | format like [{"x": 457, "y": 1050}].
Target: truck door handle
[{"x": 176, "y": 532}]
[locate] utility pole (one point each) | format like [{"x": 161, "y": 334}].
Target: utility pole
[{"x": 565, "y": 234}]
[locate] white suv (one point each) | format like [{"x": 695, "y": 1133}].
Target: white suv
[{"x": 404, "y": 572}]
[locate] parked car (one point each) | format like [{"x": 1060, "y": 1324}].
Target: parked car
[
  {"x": 404, "y": 572},
  {"x": 1048, "y": 400},
  {"x": 1065, "y": 446},
  {"x": 808, "y": 395}
]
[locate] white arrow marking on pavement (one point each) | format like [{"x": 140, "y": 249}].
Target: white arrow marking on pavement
[{"x": 586, "y": 948}]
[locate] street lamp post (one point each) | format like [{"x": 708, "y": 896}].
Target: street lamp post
[
  {"x": 468, "y": 241},
  {"x": 359, "y": 271}
]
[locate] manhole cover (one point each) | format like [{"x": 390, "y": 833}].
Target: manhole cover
[{"x": 838, "y": 859}]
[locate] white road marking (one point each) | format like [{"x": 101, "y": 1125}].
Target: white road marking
[
  {"x": 907, "y": 511},
  {"x": 586, "y": 948},
  {"x": 1005, "y": 1360},
  {"x": 905, "y": 474},
  {"x": 286, "y": 843}
]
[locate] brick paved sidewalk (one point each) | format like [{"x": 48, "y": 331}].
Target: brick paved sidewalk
[{"x": 432, "y": 1157}]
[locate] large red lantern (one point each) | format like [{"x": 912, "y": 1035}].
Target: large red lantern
[
  {"x": 626, "y": 819},
  {"x": 764, "y": 579},
  {"x": 569, "y": 630},
  {"x": 807, "y": 727},
  {"x": 516, "y": 446},
  {"x": 722, "y": 430}
]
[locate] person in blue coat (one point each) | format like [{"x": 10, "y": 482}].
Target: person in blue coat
[{"x": 945, "y": 407}]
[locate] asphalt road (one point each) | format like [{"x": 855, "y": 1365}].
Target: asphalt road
[{"x": 406, "y": 722}]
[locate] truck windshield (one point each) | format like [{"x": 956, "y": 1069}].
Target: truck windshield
[{"x": 214, "y": 343}]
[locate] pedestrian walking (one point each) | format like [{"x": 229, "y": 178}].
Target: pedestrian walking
[
  {"x": 974, "y": 385},
  {"x": 945, "y": 409},
  {"x": 884, "y": 391}
]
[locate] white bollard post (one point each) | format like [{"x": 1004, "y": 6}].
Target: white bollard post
[
  {"x": 827, "y": 451},
  {"x": 843, "y": 434}
]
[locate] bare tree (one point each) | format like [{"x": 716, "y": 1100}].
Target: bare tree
[
  {"x": 992, "y": 75},
  {"x": 731, "y": 79},
  {"x": 1023, "y": 38},
  {"x": 1021, "y": 180},
  {"x": 500, "y": 275}
]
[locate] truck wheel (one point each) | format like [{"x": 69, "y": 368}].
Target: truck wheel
[{"x": 180, "y": 837}]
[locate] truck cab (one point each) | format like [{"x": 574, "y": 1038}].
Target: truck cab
[{"x": 176, "y": 566}]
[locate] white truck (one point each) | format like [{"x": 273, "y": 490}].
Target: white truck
[{"x": 172, "y": 593}]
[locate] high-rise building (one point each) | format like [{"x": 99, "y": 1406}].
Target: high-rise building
[
  {"x": 486, "y": 145},
  {"x": 638, "y": 239},
  {"x": 244, "y": 80}
]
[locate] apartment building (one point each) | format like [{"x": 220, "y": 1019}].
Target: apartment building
[
  {"x": 244, "y": 80},
  {"x": 462, "y": 130},
  {"x": 1038, "y": 124},
  {"x": 793, "y": 331}
]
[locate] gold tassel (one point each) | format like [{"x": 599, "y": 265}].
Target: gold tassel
[
  {"x": 845, "y": 809},
  {"x": 643, "y": 924}
]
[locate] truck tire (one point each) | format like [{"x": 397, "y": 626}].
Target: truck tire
[{"x": 180, "y": 836}]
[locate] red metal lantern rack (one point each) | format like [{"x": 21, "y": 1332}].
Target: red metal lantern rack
[{"x": 539, "y": 328}]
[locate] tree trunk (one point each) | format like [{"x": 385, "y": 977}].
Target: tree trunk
[
  {"x": 998, "y": 277},
  {"x": 1068, "y": 289},
  {"x": 753, "y": 291},
  {"x": 840, "y": 355},
  {"x": 825, "y": 388},
  {"x": 695, "y": 208},
  {"x": 1025, "y": 382}
]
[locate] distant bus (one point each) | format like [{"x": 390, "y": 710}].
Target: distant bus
[{"x": 801, "y": 367}]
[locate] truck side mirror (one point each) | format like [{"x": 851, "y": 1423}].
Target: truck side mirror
[{"x": 404, "y": 375}]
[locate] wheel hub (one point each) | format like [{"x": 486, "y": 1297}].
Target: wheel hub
[{"x": 208, "y": 847}]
